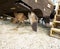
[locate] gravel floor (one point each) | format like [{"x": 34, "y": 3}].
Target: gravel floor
[{"x": 25, "y": 38}]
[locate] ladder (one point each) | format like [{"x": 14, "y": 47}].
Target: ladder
[{"x": 55, "y": 30}]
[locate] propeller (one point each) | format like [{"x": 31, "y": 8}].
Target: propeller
[{"x": 33, "y": 20}]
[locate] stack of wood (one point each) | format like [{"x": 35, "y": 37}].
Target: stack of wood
[{"x": 55, "y": 30}]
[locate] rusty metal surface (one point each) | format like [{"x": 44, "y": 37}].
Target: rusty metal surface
[
  {"x": 7, "y": 6},
  {"x": 42, "y": 5}
]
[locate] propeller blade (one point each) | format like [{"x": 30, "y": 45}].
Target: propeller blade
[
  {"x": 33, "y": 20},
  {"x": 34, "y": 26}
]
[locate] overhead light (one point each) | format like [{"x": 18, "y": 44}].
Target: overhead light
[{"x": 36, "y": 1}]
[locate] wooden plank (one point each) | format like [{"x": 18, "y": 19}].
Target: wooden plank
[
  {"x": 56, "y": 21},
  {"x": 56, "y": 25},
  {"x": 54, "y": 18},
  {"x": 55, "y": 29},
  {"x": 54, "y": 34},
  {"x": 58, "y": 15},
  {"x": 58, "y": 12},
  {"x": 59, "y": 6}
]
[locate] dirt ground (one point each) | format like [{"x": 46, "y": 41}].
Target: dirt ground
[{"x": 25, "y": 37}]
